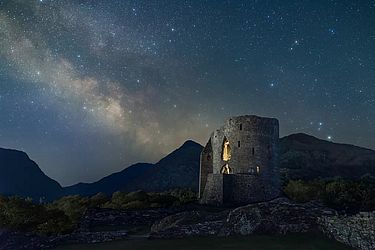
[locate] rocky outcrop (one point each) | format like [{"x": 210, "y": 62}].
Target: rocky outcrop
[
  {"x": 357, "y": 231},
  {"x": 277, "y": 216},
  {"x": 99, "y": 217},
  {"x": 96, "y": 218},
  {"x": 193, "y": 223}
]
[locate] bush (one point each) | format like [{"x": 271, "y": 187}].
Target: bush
[
  {"x": 23, "y": 215},
  {"x": 73, "y": 206},
  {"x": 63, "y": 215},
  {"x": 340, "y": 194},
  {"x": 56, "y": 222},
  {"x": 98, "y": 200},
  {"x": 20, "y": 214},
  {"x": 184, "y": 195},
  {"x": 162, "y": 200},
  {"x": 343, "y": 195},
  {"x": 136, "y": 205},
  {"x": 300, "y": 191}
]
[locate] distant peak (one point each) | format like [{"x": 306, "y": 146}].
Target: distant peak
[
  {"x": 190, "y": 143},
  {"x": 302, "y": 137}
]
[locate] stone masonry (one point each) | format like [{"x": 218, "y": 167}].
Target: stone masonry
[{"x": 239, "y": 162}]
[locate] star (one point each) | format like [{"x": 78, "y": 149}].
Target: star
[{"x": 120, "y": 71}]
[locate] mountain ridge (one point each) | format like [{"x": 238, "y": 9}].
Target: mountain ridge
[{"x": 302, "y": 156}]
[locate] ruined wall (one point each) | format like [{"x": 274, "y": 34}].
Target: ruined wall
[
  {"x": 254, "y": 152},
  {"x": 205, "y": 166},
  {"x": 213, "y": 191}
]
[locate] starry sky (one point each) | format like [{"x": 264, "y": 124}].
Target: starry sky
[{"x": 89, "y": 87}]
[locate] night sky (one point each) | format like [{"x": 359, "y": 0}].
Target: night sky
[{"x": 90, "y": 87}]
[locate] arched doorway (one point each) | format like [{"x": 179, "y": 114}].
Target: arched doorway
[{"x": 226, "y": 169}]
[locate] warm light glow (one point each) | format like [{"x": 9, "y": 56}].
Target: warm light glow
[
  {"x": 226, "y": 151},
  {"x": 226, "y": 169}
]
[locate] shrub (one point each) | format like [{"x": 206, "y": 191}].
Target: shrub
[
  {"x": 347, "y": 195},
  {"x": 300, "y": 191},
  {"x": 136, "y": 205},
  {"x": 184, "y": 195},
  {"x": 20, "y": 214},
  {"x": 98, "y": 200},
  {"x": 73, "y": 206},
  {"x": 162, "y": 200}
]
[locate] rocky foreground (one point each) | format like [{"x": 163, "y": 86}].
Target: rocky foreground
[{"x": 279, "y": 216}]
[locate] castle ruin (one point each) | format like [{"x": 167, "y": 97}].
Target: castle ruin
[{"x": 239, "y": 163}]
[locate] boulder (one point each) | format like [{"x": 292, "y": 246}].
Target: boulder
[
  {"x": 193, "y": 223},
  {"x": 277, "y": 216},
  {"x": 357, "y": 231}
]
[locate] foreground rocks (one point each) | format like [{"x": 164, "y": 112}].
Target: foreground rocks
[
  {"x": 277, "y": 216},
  {"x": 193, "y": 223},
  {"x": 96, "y": 218},
  {"x": 92, "y": 228},
  {"x": 357, "y": 231},
  {"x": 17, "y": 240}
]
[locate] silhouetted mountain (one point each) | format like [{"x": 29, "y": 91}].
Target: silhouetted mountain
[
  {"x": 22, "y": 177},
  {"x": 302, "y": 157},
  {"x": 179, "y": 169},
  {"x": 111, "y": 183},
  {"x": 306, "y": 157}
]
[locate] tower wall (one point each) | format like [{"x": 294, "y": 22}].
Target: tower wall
[
  {"x": 253, "y": 163},
  {"x": 205, "y": 167}
]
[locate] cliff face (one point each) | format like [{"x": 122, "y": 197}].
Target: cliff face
[{"x": 22, "y": 177}]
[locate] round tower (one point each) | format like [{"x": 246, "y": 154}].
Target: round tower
[{"x": 244, "y": 156}]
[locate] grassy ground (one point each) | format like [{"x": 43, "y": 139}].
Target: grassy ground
[{"x": 289, "y": 242}]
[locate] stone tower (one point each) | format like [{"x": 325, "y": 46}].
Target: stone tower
[{"x": 239, "y": 163}]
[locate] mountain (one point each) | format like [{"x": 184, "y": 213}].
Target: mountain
[
  {"x": 302, "y": 157},
  {"x": 306, "y": 157},
  {"x": 21, "y": 176},
  {"x": 111, "y": 183},
  {"x": 178, "y": 169}
]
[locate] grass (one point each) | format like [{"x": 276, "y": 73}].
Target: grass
[{"x": 306, "y": 241}]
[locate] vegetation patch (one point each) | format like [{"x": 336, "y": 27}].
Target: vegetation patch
[
  {"x": 63, "y": 215},
  {"x": 343, "y": 195}
]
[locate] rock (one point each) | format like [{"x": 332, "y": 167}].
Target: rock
[
  {"x": 193, "y": 223},
  {"x": 277, "y": 216},
  {"x": 18, "y": 240},
  {"x": 99, "y": 217},
  {"x": 357, "y": 231}
]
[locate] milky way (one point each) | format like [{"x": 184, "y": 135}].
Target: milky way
[{"x": 89, "y": 87}]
